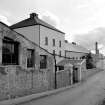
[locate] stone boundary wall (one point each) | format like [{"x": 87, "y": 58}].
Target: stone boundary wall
[
  {"x": 64, "y": 78},
  {"x": 19, "y": 80},
  {"x": 85, "y": 73},
  {"x": 89, "y": 72},
  {"x": 16, "y": 82},
  {"x": 100, "y": 64}
]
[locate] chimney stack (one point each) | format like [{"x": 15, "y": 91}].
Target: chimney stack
[
  {"x": 33, "y": 15},
  {"x": 96, "y": 48},
  {"x": 74, "y": 43}
]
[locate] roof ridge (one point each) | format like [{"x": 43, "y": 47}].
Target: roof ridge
[{"x": 46, "y": 23}]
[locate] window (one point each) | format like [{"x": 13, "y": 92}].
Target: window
[
  {"x": 30, "y": 58},
  {"x": 9, "y": 52},
  {"x": 61, "y": 68},
  {"x": 83, "y": 57},
  {"x": 43, "y": 61},
  {"x": 60, "y": 53},
  {"x": 46, "y": 40},
  {"x": 53, "y": 52},
  {"x": 53, "y": 42},
  {"x": 59, "y": 43}
]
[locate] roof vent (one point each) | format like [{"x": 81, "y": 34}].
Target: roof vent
[{"x": 33, "y": 15}]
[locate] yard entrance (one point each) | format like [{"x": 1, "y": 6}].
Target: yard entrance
[{"x": 75, "y": 74}]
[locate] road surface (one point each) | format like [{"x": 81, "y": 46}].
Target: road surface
[{"x": 91, "y": 92}]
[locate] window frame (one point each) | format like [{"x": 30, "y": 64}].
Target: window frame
[
  {"x": 31, "y": 59},
  {"x": 53, "y": 52},
  {"x": 60, "y": 53},
  {"x": 60, "y": 43},
  {"x": 11, "y": 56},
  {"x": 46, "y": 40},
  {"x": 53, "y": 42},
  {"x": 61, "y": 68},
  {"x": 43, "y": 65}
]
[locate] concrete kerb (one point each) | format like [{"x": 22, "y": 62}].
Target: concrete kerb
[{"x": 36, "y": 96}]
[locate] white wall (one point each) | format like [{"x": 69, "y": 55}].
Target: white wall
[
  {"x": 52, "y": 34},
  {"x": 38, "y": 33},
  {"x": 31, "y": 32}
]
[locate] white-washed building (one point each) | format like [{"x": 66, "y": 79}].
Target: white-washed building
[
  {"x": 49, "y": 38},
  {"x": 75, "y": 51},
  {"x": 40, "y": 32}
]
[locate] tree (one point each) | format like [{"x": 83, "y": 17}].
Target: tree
[{"x": 89, "y": 61}]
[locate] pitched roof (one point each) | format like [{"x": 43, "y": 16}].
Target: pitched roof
[
  {"x": 27, "y": 41},
  {"x": 68, "y": 61},
  {"x": 76, "y": 48},
  {"x": 33, "y": 21}
]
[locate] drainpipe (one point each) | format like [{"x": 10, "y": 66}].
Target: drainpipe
[{"x": 32, "y": 71}]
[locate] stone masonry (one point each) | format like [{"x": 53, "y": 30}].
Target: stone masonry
[{"x": 18, "y": 80}]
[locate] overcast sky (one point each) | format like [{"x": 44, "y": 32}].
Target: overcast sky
[{"x": 83, "y": 21}]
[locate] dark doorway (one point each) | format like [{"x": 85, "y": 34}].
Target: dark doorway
[
  {"x": 75, "y": 74},
  {"x": 30, "y": 58},
  {"x": 10, "y": 52}
]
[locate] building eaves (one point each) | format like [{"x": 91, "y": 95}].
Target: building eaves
[
  {"x": 41, "y": 22},
  {"x": 24, "y": 23}
]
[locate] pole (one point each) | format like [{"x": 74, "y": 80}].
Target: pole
[
  {"x": 55, "y": 72},
  {"x": 32, "y": 79}
]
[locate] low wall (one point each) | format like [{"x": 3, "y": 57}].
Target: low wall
[
  {"x": 64, "y": 78},
  {"x": 16, "y": 82},
  {"x": 100, "y": 64},
  {"x": 89, "y": 72}
]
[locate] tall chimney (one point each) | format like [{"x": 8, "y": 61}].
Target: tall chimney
[
  {"x": 33, "y": 15},
  {"x": 96, "y": 48}
]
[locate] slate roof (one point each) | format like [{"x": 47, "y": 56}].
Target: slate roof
[
  {"x": 67, "y": 61},
  {"x": 76, "y": 48},
  {"x": 33, "y": 21}
]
